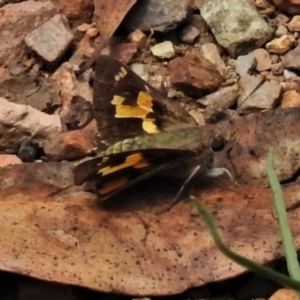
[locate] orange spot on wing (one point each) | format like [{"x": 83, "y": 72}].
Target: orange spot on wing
[
  {"x": 143, "y": 107},
  {"x": 117, "y": 100},
  {"x": 141, "y": 110},
  {"x": 135, "y": 160},
  {"x": 149, "y": 126},
  {"x": 112, "y": 185},
  {"x": 126, "y": 111},
  {"x": 144, "y": 100}
]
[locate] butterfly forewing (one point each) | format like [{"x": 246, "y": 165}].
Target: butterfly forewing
[{"x": 126, "y": 106}]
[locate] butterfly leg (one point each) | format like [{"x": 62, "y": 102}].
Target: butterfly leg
[
  {"x": 185, "y": 183},
  {"x": 216, "y": 172}
]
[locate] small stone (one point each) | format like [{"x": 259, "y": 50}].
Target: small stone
[
  {"x": 141, "y": 70},
  {"x": 219, "y": 16},
  {"x": 172, "y": 93},
  {"x": 163, "y": 50},
  {"x": 274, "y": 58},
  {"x": 210, "y": 52},
  {"x": 294, "y": 25},
  {"x": 198, "y": 22},
  {"x": 188, "y": 34},
  {"x": 296, "y": 82},
  {"x": 285, "y": 294},
  {"x": 282, "y": 19},
  {"x": 123, "y": 52},
  {"x": 288, "y": 74},
  {"x": 290, "y": 99},
  {"x": 281, "y": 45},
  {"x": 245, "y": 63},
  {"x": 92, "y": 32},
  {"x": 149, "y": 74},
  {"x": 194, "y": 75},
  {"x": 18, "y": 20},
  {"x": 68, "y": 145},
  {"x": 292, "y": 59},
  {"x": 29, "y": 63},
  {"x": 157, "y": 15},
  {"x": 277, "y": 69},
  {"x": 247, "y": 85},
  {"x": 139, "y": 38},
  {"x": 84, "y": 49},
  {"x": 264, "y": 97},
  {"x": 74, "y": 96},
  {"x": 226, "y": 95},
  {"x": 231, "y": 63},
  {"x": 52, "y": 39},
  {"x": 292, "y": 86},
  {"x": 281, "y": 31},
  {"x": 198, "y": 116},
  {"x": 218, "y": 102},
  {"x": 83, "y": 27},
  {"x": 263, "y": 59}
]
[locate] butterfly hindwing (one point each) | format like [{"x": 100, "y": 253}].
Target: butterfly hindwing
[
  {"x": 114, "y": 172},
  {"x": 126, "y": 106}
]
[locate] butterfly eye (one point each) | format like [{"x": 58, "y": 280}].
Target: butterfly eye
[{"x": 218, "y": 144}]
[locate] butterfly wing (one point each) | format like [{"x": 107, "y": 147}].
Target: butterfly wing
[
  {"x": 113, "y": 173},
  {"x": 126, "y": 106}
]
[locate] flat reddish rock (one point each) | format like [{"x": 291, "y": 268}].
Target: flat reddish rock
[
  {"x": 8, "y": 160},
  {"x": 194, "y": 74}
]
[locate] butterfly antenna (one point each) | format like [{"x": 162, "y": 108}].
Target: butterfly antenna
[{"x": 148, "y": 40}]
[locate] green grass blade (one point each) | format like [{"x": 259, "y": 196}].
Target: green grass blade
[
  {"x": 287, "y": 239},
  {"x": 243, "y": 261}
]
